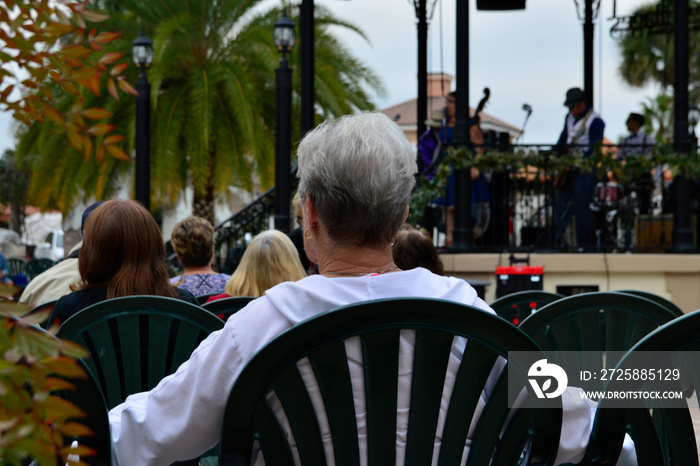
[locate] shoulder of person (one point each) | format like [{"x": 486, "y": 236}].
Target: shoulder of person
[{"x": 185, "y": 295}]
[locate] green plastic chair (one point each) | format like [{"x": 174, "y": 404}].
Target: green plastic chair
[
  {"x": 668, "y": 437},
  {"x": 515, "y": 307},
  {"x": 249, "y": 417},
  {"x": 656, "y": 298},
  {"x": 87, "y": 396},
  {"x": 135, "y": 341},
  {"x": 591, "y": 324},
  {"x": 225, "y": 307},
  {"x": 202, "y": 298},
  {"x": 36, "y": 266},
  {"x": 16, "y": 266}
]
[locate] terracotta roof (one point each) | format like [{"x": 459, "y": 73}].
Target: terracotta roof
[{"x": 406, "y": 113}]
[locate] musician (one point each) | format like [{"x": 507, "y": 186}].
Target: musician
[
  {"x": 480, "y": 193},
  {"x": 638, "y": 144},
  {"x": 583, "y": 128}
]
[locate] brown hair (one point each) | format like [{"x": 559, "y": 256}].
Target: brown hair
[
  {"x": 123, "y": 250},
  {"x": 269, "y": 260},
  {"x": 413, "y": 249},
  {"x": 193, "y": 240}
]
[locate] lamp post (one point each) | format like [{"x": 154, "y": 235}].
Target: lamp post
[
  {"x": 693, "y": 118},
  {"x": 284, "y": 38},
  {"x": 142, "y": 54}
]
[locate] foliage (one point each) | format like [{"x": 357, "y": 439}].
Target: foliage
[
  {"x": 14, "y": 179},
  {"x": 34, "y": 421},
  {"x": 530, "y": 165},
  {"x": 213, "y": 101},
  {"x": 658, "y": 118},
  {"x": 48, "y": 54},
  {"x": 649, "y": 57}
]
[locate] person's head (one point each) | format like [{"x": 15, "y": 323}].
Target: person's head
[
  {"x": 357, "y": 173},
  {"x": 123, "y": 250},
  {"x": 269, "y": 260},
  {"x": 635, "y": 122},
  {"x": 296, "y": 203},
  {"x": 451, "y": 104},
  {"x": 576, "y": 101},
  {"x": 413, "y": 249},
  {"x": 193, "y": 242},
  {"x": 87, "y": 212}
]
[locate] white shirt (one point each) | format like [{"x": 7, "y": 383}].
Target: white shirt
[{"x": 181, "y": 417}]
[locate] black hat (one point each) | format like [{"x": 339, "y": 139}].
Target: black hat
[
  {"x": 574, "y": 96},
  {"x": 86, "y": 212}
]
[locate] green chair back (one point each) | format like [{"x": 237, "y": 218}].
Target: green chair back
[
  {"x": 376, "y": 326},
  {"x": 135, "y": 341},
  {"x": 658, "y": 299},
  {"x": 202, "y": 298},
  {"x": 666, "y": 435},
  {"x": 36, "y": 266},
  {"x": 591, "y": 324},
  {"x": 16, "y": 266},
  {"x": 226, "y": 307},
  {"x": 515, "y": 307},
  {"x": 87, "y": 396}
]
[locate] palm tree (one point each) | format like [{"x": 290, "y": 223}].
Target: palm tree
[
  {"x": 213, "y": 102},
  {"x": 648, "y": 58}
]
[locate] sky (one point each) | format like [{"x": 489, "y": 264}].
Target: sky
[{"x": 526, "y": 56}]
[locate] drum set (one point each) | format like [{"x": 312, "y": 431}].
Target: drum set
[{"x": 613, "y": 209}]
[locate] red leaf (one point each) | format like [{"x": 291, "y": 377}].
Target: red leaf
[
  {"x": 100, "y": 154},
  {"x": 128, "y": 88},
  {"x": 112, "y": 88},
  {"x": 53, "y": 115},
  {"x": 91, "y": 35},
  {"x": 6, "y": 92},
  {"x": 95, "y": 46},
  {"x": 118, "y": 69},
  {"x": 75, "y": 51},
  {"x": 106, "y": 37},
  {"x": 75, "y": 140},
  {"x": 87, "y": 148},
  {"x": 29, "y": 83},
  {"x": 117, "y": 153},
  {"x": 96, "y": 113},
  {"x": 83, "y": 75},
  {"x": 111, "y": 57},
  {"x": 94, "y": 85},
  {"x": 112, "y": 139},
  {"x": 58, "y": 29},
  {"x": 101, "y": 128},
  {"x": 94, "y": 17},
  {"x": 79, "y": 36}
]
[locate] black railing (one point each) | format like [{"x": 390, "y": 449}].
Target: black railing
[{"x": 519, "y": 217}]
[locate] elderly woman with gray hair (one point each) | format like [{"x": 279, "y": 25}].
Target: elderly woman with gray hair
[{"x": 355, "y": 178}]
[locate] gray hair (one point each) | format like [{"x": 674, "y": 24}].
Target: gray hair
[{"x": 359, "y": 171}]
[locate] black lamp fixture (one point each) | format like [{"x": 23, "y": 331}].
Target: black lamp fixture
[
  {"x": 142, "y": 54},
  {"x": 693, "y": 117},
  {"x": 284, "y": 37}
]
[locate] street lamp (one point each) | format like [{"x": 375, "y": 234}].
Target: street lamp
[
  {"x": 142, "y": 54},
  {"x": 693, "y": 118},
  {"x": 284, "y": 37}
]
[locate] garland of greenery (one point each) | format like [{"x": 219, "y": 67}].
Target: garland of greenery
[{"x": 530, "y": 166}]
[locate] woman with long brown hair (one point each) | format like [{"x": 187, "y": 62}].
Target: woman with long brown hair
[{"x": 122, "y": 255}]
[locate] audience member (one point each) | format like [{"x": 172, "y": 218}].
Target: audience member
[
  {"x": 55, "y": 282},
  {"x": 193, "y": 242},
  {"x": 4, "y": 270},
  {"x": 297, "y": 236},
  {"x": 413, "y": 248},
  {"x": 356, "y": 176},
  {"x": 268, "y": 260},
  {"x": 122, "y": 255}
]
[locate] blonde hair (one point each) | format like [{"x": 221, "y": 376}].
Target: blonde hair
[{"x": 270, "y": 259}]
